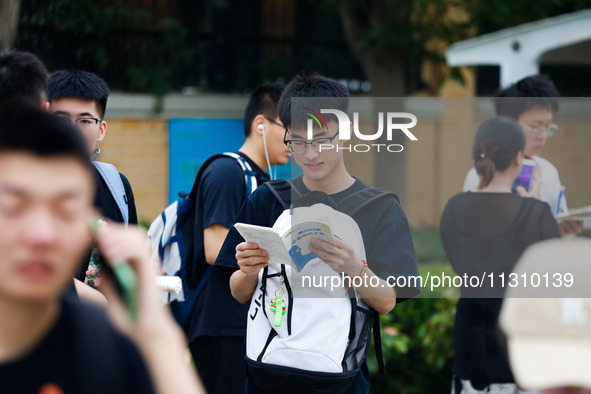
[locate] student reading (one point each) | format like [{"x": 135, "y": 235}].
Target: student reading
[{"x": 384, "y": 227}]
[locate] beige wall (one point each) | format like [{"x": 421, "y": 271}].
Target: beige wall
[
  {"x": 569, "y": 151},
  {"x": 361, "y": 165},
  {"x": 423, "y": 179},
  {"x": 436, "y": 164},
  {"x": 139, "y": 149},
  {"x": 431, "y": 181}
]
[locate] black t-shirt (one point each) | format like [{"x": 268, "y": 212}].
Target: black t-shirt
[
  {"x": 487, "y": 233},
  {"x": 384, "y": 228},
  {"x": 81, "y": 353},
  {"x": 109, "y": 209},
  {"x": 220, "y": 194},
  {"x": 383, "y": 225}
]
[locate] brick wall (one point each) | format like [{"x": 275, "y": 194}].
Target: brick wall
[{"x": 139, "y": 149}]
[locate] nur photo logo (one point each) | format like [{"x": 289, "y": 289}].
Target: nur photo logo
[{"x": 392, "y": 125}]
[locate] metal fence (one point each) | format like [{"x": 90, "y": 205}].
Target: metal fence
[{"x": 208, "y": 45}]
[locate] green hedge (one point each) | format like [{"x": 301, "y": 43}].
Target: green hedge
[
  {"x": 417, "y": 341},
  {"x": 417, "y": 336}
]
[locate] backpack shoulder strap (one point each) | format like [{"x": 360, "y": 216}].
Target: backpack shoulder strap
[
  {"x": 283, "y": 190},
  {"x": 361, "y": 198},
  {"x": 250, "y": 176},
  {"x": 113, "y": 180},
  {"x": 377, "y": 340},
  {"x": 351, "y": 205}
]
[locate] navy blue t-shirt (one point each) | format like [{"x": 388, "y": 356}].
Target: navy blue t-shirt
[
  {"x": 220, "y": 195},
  {"x": 384, "y": 228}
]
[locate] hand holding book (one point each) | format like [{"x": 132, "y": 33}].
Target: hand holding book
[{"x": 292, "y": 247}]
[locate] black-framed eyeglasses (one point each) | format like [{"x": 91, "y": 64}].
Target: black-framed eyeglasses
[
  {"x": 300, "y": 146},
  {"x": 83, "y": 124}
]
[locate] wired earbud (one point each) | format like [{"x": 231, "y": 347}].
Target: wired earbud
[{"x": 262, "y": 128}]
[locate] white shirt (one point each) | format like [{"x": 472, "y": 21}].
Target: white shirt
[{"x": 551, "y": 192}]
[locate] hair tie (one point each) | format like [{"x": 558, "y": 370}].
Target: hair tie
[{"x": 482, "y": 155}]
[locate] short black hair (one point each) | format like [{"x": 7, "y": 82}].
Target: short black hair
[
  {"x": 78, "y": 84},
  {"x": 27, "y": 129},
  {"x": 322, "y": 91},
  {"x": 535, "y": 91},
  {"x": 497, "y": 142},
  {"x": 23, "y": 77},
  {"x": 263, "y": 101}
]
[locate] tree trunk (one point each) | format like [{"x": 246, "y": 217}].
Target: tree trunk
[
  {"x": 9, "y": 16},
  {"x": 387, "y": 80},
  {"x": 386, "y": 73}
]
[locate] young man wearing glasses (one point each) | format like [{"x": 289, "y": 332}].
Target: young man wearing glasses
[
  {"x": 382, "y": 224},
  {"x": 533, "y": 101},
  {"x": 80, "y": 97},
  {"x": 216, "y": 328}
]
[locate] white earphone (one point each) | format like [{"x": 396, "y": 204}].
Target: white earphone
[{"x": 262, "y": 128}]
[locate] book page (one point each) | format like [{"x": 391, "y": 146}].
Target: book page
[
  {"x": 297, "y": 240},
  {"x": 575, "y": 214},
  {"x": 267, "y": 239}
]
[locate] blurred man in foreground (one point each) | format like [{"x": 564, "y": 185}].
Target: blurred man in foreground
[{"x": 54, "y": 344}]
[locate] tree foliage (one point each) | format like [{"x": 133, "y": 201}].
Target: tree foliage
[
  {"x": 489, "y": 16},
  {"x": 387, "y": 34},
  {"x": 105, "y": 37}
]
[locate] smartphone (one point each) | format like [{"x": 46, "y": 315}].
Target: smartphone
[
  {"x": 526, "y": 175},
  {"x": 124, "y": 278},
  {"x": 126, "y": 285}
]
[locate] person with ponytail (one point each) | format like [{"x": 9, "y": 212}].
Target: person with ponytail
[
  {"x": 484, "y": 231},
  {"x": 533, "y": 102}
]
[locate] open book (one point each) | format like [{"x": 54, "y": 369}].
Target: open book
[
  {"x": 575, "y": 214},
  {"x": 290, "y": 248}
]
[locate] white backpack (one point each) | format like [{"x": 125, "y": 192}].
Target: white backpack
[{"x": 324, "y": 335}]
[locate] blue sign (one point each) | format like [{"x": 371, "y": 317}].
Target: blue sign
[{"x": 192, "y": 141}]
